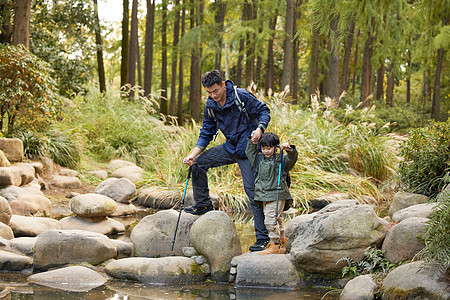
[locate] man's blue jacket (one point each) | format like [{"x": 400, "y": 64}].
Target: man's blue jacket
[{"x": 234, "y": 124}]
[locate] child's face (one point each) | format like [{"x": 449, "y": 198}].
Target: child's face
[{"x": 267, "y": 150}]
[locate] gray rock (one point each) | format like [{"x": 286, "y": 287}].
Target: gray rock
[
  {"x": 75, "y": 279},
  {"x": 293, "y": 223},
  {"x": 274, "y": 270},
  {"x": 403, "y": 200},
  {"x": 65, "y": 182},
  {"x": 165, "y": 270},
  {"x": 32, "y": 226},
  {"x": 403, "y": 240},
  {"x": 189, "y": 251},
  {"x": 419, "y": 210},
  {"x": 320, "y": 202},
  {"x": 359, "y": 288},
  {"x": 24, "y": 245},
  {"x": 124, "y": 249},
  {"x": 318, "y": 244},
  {"x": 153, "y": 235},
  {"x": 6, "y": 231},
  {"x": 200, "y": 260},
  {"x": 92, "y": 205},
  {"x": 24, "y": 208},
  {"x": 12, "y": 148},
  {"x": 102, "y": 225},
  {"x": 10, "y": 176},
  {"x": 26, "y": 172},
  {"x": 38, "y": 167},
  {"x": 48, "y": 165},
  {"x": 43, "y": 203},
  {"x": 10, "y": 261},
  {"x": 189, "y": 199},
  {"x": 68, "y": 172},
  {"x": 119, "y": 163},
  {"x": 70, "y": 195},
  {"x": 133, "y": 173},
  {"x": 99, "y": 174},
  {"x": 124, "y": 210},
  {"x": 121, "y": 190},
  {"x": 214, "y": 236},
  {"x": 12, "y": 192},
  {"x": 158, "y": 199},
  {"x": 415, "y": 281},
  {"x": 60, "y": 247},
  {"x": 4, "y": 162},
  {"x": 5, "y": 211}
]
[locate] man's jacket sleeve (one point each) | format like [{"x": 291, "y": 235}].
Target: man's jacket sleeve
[
  {"x": 209, "y": 129},
  {"x": 255, "y": 108}
]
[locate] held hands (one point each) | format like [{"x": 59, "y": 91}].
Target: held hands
[
  {"x": 285, "y": 146},
  {"x": 256, "y": 135}
]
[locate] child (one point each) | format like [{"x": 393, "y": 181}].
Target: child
[{"x": 267, "y": 165}]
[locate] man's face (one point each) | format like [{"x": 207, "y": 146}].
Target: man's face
[{"x": 218, "y": 92}]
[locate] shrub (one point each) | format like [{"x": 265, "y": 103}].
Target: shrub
[
  {"x": 426, "y": 159},
  {"x": 27, "y": 93}
]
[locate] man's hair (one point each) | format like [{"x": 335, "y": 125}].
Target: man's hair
[
  {"x": 269, "y": 139},
  {"x": 211, "y": 78}
]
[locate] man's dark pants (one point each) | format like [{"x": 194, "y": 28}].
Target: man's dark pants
[{"x": 216, "y": 157}]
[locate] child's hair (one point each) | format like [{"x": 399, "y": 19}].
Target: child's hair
[
  {"x": 211, "y": 78},
  {"x": 269, "y": 139}
]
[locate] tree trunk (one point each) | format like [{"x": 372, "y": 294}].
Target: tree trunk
[
  {"x": 133, "y": 47},
  {"x": 314, "y": 66},
  {"x": 250, "y": 55},
  {"x": 296, "y": 42},
  {"x": 435, "y": 107},
  {"x": 334, "y": 65},
  {"x": 138, "y": 62},
  {"x": 148, "y": 58},
  {"x": 176, "y": 31},
  {"x": 380, "y": 81},
  {"x": 355, "y": 64},
  {"x": 163, "y": 98},
  {"x": 270, "y": 75},
  {"x": 99, "y": 46},
  {"x": 408, "y": 79},
  {"x": 21, "y": 30},
  {"x": 347, "y": 54},
  {"x": 5, "y": 25},
  {"x": 286, "y": 76},
  {"x": 195, "y": 81},
  {"x": 238, "y": 80},
  {"x": 366, "y": 75},
  {"x": 125, "y": 44},
  {"x": 180, "y": 75},
  {"x": 390, "y": 85},
  {"x": 219, "y": 19}
]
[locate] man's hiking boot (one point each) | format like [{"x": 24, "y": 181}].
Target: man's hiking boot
[
  {"x": 271, "y": 248},
  {"x": 259, "y": 245},
  {"x": 198, "y": 210}
]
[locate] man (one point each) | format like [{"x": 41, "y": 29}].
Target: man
[{"x": 221, "y": 112}]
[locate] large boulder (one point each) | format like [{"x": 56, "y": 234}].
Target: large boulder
[
  {"x": 419, "y": 210},
  {"x": 133, "y": 173},
  {"x": 10, "y": 261},
  {"x": 214, "y": 236},
  {"x": 32, "y": 226},
  {"x": 105, "y": 225},
  {"x": 403, "y": 240},
  {"x": 121, "y": 190},
  {"x": 5, "y": 211},
  {"x": 415, "y": 281},
  {"x": 12, "y": 192},
  {"x": 403, "y": 200},
  {"x": 24, "y": 245},
  {"x": 92, "y": 205},
  {"x": 359, "y": 288},
  {"x": 275, "y": 270},
  {"x": 75, "y": 279},
  {"x": 10, "y": 176},
  {"x": 60, "y": 247},
  {"x": 65, "y": 182},
  {"x": 153, "y": 235},
  {"x": 13, "y": 149},
  {"x": 43, "y": 204},
  {"x": 165, "y": 270},
  {"x": 333, "y": 233}
]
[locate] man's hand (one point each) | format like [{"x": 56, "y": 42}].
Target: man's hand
[
  {"x": 256, "y": 135},
  {"x": 189, "y": 160}
]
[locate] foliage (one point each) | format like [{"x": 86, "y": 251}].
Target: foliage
[
  {"x": 28, "y": 96},
  {"x": 372, "y": 262},
  {"x": 437, "y": 236},
  {"x": 426, "y": 159}
]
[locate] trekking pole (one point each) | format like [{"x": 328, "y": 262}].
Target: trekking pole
[
  {"x": 181, "y": 206},
  {"x": 279, "y": 185}
]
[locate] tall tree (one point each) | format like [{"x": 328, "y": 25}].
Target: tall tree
[
  {"x": 366, "y": 75},
  {"x": 355, "y": 63},
  {"x": 270, "y": 74},
  {"x": 5, "y": 22},
  {"x": 380, "y": 81},
  {"x": 196, "y": 55},
  {"x": 333, "y": 63},
  {"x": 125, "y": 44},
  {"x": 250, "y": 45},
  {"x": 238, "y": 79},
  {"x": 314, "y": 64},
  {"x": 21, "y": 29},
  {"x": 286, "y": 76},
  {"x": 390, "y": 85},
  {"x": 133, "y": 46},
  {"x": 163, "y": 98},
  {"x": 180, "y": 72},
  {"x": 221, "y": 8},
  {"x": 148, "y": 59},
  {"x": 99, "y": 47},
  {"x": 176, "y": 32},
  {"x": 347, "y": 54}
]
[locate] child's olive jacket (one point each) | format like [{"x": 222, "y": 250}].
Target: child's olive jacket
[
  {"x": 266, "y": 181},
  {"x": 234, "y": 124}
]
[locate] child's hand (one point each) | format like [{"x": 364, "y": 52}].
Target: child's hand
[{"x": 285, "y": 146}]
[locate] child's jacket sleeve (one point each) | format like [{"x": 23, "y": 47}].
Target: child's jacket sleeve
[
  {"x": 251, "y": 151},
  {"x": 290, "y": 158}
]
